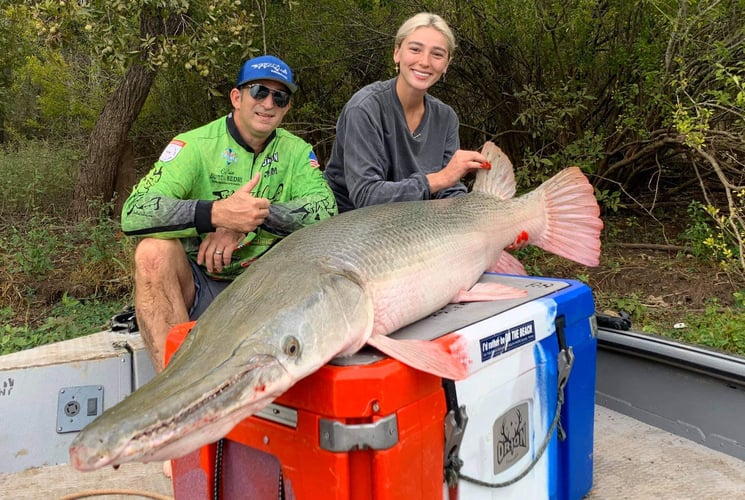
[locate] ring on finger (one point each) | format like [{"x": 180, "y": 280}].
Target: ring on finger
[{"x": 218, "y": 252}]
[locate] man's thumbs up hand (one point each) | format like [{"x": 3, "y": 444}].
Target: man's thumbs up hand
[
  {"x": 250, "y": 185},
  {"x": 241, "y": 211}
]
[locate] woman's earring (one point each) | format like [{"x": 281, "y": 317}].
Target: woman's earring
[{"x": 396, "y": 67}]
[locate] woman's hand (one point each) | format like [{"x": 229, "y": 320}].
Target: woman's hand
[{"x": 462, "y": 162}]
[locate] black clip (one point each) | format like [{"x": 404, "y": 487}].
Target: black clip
[
  {"x": 620, "y": 322},
  {"x": 124, "y": 322}
]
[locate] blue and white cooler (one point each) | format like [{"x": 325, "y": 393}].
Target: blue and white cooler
[{"x": 521, "y": 424}]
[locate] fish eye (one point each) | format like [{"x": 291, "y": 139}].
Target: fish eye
[{"x": 291, "y": 346}]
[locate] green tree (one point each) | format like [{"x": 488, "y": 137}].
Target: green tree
[
  {"x": 335, "y": 50},
  {"x": 16, "y": 43},
  {"x": 131, "y": 41}
]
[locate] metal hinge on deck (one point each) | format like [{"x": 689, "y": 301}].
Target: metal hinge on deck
[{"x": 379, "y": 435}]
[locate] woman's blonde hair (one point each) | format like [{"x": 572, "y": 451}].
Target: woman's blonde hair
[{"x": 423, "y": 20}]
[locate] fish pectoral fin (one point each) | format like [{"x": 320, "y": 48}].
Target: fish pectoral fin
[
  {"x": 486, "y": 292},
  {"x": 508, "y": 264},
  {"x": 446, "y": 361}
]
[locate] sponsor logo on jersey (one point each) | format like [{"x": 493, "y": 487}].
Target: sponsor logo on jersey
[
  {"x": 173, "y": 148},
  {"x": 272, "y": 158},
  {"x": 229, "y": 156}
]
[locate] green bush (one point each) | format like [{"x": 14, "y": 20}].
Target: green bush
[{"x": 36, "y": 176}]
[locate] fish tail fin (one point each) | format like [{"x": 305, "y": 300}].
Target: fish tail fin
[
  {"x": 573, "y": 223},
  {"x": 498, "y": 178}
]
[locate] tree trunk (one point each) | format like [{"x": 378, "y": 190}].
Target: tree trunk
[
  {"x": 125, "y": 177},
  {"x": 108, "y": 141}
]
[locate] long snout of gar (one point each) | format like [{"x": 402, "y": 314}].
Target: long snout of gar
[
  {"x": 327, "y": 290},
  {"x": 169, "y": 417}
]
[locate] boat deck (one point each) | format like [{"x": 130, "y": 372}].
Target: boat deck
[
  {"x": 633, "y": 460},
  {"x": 636, "y": 461}
]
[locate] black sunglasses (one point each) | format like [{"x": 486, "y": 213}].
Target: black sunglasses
[{"x": 259, "y": 92}]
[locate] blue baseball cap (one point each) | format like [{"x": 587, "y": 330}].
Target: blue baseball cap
[{"x": 266, "y": 68}]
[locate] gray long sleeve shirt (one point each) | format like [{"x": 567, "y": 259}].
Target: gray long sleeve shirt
[{"x": 376, "y": 159}]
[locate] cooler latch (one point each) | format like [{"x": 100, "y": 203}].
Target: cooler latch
[
  {"x": 379, "y": 435},
  {"x": 455, "y": 427},
  {"x": 565, "y": 362}
]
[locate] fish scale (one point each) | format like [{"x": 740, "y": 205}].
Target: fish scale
[{"x": 402, "y": 250}]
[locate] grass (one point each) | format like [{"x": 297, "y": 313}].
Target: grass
[
  {"x": 60, "y": 280},
  {"x": 720, "y": 328},
  {"x": 69, "y": 318}
]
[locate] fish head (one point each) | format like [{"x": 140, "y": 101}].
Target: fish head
[
  {"x": 310, "y": 328},
  {"x": 234, "y": 362},
  {"x": 185, "y": 416}
]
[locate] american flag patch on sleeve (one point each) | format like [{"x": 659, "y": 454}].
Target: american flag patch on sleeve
[{"x": 313, "y": 160}]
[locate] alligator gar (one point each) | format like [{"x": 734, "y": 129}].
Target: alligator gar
[{"x": 327, "y": 290}]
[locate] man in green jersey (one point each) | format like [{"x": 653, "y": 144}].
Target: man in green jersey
[{"x": 219, "y": 197}]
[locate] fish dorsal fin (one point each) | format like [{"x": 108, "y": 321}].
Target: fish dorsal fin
[
  {"x": 499, "y": 180},
  {"x": 443, "y": 360}
]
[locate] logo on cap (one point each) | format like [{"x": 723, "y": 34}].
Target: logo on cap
[{"x": 274, "y": 68}]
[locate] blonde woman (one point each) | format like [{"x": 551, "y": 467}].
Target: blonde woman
[{"x": 394, "y": 141}]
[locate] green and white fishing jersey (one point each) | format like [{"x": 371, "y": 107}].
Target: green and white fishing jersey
[{"x": 209, "y": 163}]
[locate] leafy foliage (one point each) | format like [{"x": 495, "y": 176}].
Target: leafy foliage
[
  {"x": 118, "y": 35},
  {"x": 35, "y": 177},
  {"x": 16, "y": 43}
]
